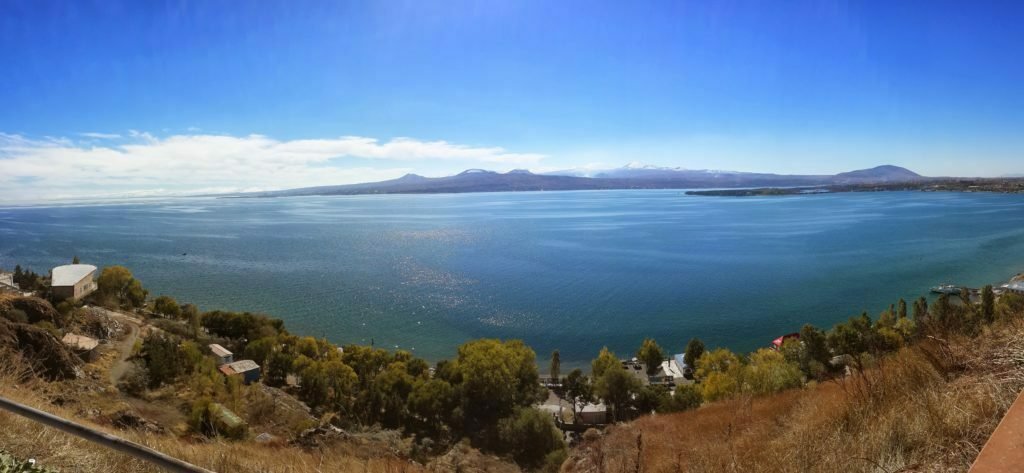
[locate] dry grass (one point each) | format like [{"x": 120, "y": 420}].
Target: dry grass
[
  {"x": 926, "y": 408},
  {"x": 55, "y": 449}
]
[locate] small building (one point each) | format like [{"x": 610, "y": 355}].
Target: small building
[
  {"x": 84, "y": 347},
  {"x": 247, "y": 369},
  {"x": 1014, "y": 287},
  {"x": 594, "y": 414},
  {"x": 7, "y": 283},
  {"x": 778, "y": 342},
  {"x": 675, "y": 368},
  {"x": 226, "y": 423},
  {"x": 73, "y": 281},
  {"x": 222, "y": 355}
]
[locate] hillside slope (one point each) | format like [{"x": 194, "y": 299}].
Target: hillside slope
[{"x": 930, "y": 407}]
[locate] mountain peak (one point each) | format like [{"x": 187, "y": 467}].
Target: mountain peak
[{"x": 885, "y": 172}]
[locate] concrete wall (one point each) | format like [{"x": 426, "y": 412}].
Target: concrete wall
[{"x": 79, "y": 290}]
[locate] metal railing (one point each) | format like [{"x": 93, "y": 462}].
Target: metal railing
[{"x": 141, "y": 452}]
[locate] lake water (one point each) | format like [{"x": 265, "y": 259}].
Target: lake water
[{"x": 567, "y": 270}]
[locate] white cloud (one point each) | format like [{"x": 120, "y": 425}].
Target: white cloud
[{"x": 50, "y": 168}]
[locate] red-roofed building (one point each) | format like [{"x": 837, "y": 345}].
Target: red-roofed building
[{"x": 777, "y": 343}]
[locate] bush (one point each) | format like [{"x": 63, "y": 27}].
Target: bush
[
  {"x": 17, "y": 316},
  {"x": 685, "y": 397},
  {"x": 554, "y": 460},
  {"x": 530, "y": 435},
  {"x": 49, "y": 327},
  {"x": 135, "y": 380}
]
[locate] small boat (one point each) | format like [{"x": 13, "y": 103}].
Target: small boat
[{"x": 946, "y": 289}]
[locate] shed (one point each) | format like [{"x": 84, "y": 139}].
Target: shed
[
  {"x": 84, "y": 347},
  {"x": 594, "y": 414},
  {"x": 226, "y": 422},
  {"x": 248, "y": 369},
  {"x": 222, "y": 355}
]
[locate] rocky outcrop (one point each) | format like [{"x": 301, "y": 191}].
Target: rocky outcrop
[
  {"x": 129, "y": 419},
  {"x": 46, "y": 355}
]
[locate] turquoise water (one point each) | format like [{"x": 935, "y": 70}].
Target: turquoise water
[{"x": 567, "y": 270}]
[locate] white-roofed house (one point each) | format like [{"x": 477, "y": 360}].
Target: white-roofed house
[{"x": 72, "y": 281}]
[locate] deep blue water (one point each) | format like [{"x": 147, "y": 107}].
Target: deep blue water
[{"x": 567, "y": 270}]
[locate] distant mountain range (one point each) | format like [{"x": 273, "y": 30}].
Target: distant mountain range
[{"x": 632, "y": 176}]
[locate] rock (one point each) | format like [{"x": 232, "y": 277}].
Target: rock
[
  {"x": 47, "y": 356},
  {"x": 129, "y": 419},
  {"x": 319, "y": 436}
]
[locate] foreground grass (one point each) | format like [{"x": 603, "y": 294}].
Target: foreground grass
[
  {"x": 929, "y": 407},
  {"x": 56, "y": 450}
]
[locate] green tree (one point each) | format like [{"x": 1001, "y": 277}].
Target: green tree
[
  {"x": 75, "y": 260},
  {"x": 617, "y": 387},
  {"x": 769, "y": 372},
  {"x": 529, "y": 435},
  {"x": 684, "y": 398},
  {"x": 191, "y": 314},
  {"x": 163, "y": 358},
  {"x": 651, "y": 354},
  {"x": 391, "y": 390},
  {"x": 887, "y": 319},
  {"x": 432, "y": 401},
  {"x": 988, "y": 304},
  {"x": 920, "y": 309},
  {"x": 720, "y": 373},
  {"x": 901, "y": 309},
  {"x": 650, "y": 398},
  {"x": 496, "y": 377},
  {"x": 366, "y": 361},
  {"x": 578, "y": 391},
  {"x": 1010, "y": 305},
  {"x": 117, "y": 282},
  {"x": 278, "y": 366},
  {"x": 326, "y": 384},
  {"x": 167, "y": 307},
  {"x": 694, "y": 350},
  {"x": 556, "y": 366},
  {"x": 817, "y": 359},
  {"x": 604, "y": 361},
  {"x": 260, "y": 350}
]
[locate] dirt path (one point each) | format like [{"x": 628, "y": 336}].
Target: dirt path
[{"x": 124, "y": 347}]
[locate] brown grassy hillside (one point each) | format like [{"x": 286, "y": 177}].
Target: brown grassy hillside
[
  {"x": 57, "y": 450},
  {"x": 929, "y": 407}
]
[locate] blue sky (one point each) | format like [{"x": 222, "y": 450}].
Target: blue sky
[{"x": 149, "y": 97}]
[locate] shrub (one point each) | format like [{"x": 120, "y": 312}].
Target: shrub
[
  {"x": 530, "y": 435},
  {"x": 684, "y": 398},
  {"x": 17, "y": 316},
  {"x": 135, "y": 380}
]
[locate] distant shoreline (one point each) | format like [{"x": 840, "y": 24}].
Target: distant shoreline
[{"x": 999, "y": 186}]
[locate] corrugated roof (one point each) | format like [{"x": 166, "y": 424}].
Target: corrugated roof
[
  {"x": 70, "y": 274},
  {"x": 219, "y": 350},
  {"x": 242, "y": 366},
  {"x": 225, "y": 415}
]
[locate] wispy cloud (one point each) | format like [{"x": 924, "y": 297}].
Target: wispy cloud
[
  {"x": 100, "y": 136},
  {"x": 53, "y": 167}
]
